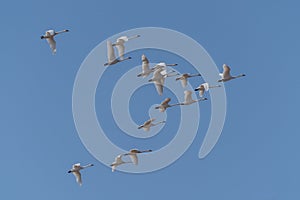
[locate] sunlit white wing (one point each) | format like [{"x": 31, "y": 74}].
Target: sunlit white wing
[
  {"x": 110, "y": 52},
  {"x": 121, "y": 50},
  {"x": 183, "y": 82},
  {"x": 159, "y": 85},
  {"x": 134, "y": 158},
  {"x": 52, "y": 44},
  {"x": 188, "y": 96},
  {"x": 226, "y": 71},
  {"x": 78, "y": 177}
]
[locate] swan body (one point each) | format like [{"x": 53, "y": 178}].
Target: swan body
[
  {"x": 205, "y": 87},
  {"x": 226, "y": 76},
  {"x": 183, "y": 78},
  {"x": 146, "y": 126},
  {"x": 76, "y": 171},
  {"x": 111, "y": 55},
  {"x": 49, "y": 36}
]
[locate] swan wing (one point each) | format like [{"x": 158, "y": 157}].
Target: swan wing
[
  {"x": 110, "y": 52},
  {"x": 188, "y": 96},
  {"x": 121, "y": 50},
  {"x": 226, "y": 71},
  {"x": 52, "y": 44},
  {"x": 77, "y": 175},
  {"x": 183, "y": 82},
  {"x": 159, "y": 85},
  {"x": 134, "y": 158}
]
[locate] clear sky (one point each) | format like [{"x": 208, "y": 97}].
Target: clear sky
[{"x": 257, "y": 156}]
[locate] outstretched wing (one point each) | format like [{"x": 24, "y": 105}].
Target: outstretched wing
[
  {"x": 183, "y": 82},
  {"x": 134, "y": 158},
  {"x": 121, "y": 50},
  {"x": 110, "y": 52},
  {"x": 78, "y": 177},
  {"x": 226, "y": 71},
  {"x": 187, "y": 96},
  {"x": 52, "y": 44}
]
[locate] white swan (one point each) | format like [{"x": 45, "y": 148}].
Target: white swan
[
  {"x": 146, "y": 126},
  {"x": 164, "y": 105},
  {"x": 118, "y": 161},
  {"x": 133, "y": 155},
  {"x": 159, "y": 77},
  {"x": 49, "y": 36},
  {"x": 111, "y": 55},
  {"x": 146, "y": 71},
  {"x": 120, "y": 44},
  {"x": 158, "y": 80},
  {"x": 183, "y": 78},
  {"x": 225, "y": 76},
  {"x": 76, "y": 171},
  {"x": 188, "y": 98},
  {"x": 205, "y": 87}
]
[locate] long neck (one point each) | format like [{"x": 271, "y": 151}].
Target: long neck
[
  {"x": 159, "y": 123},
  {"x": 89, "y": 165},
  {"x": 171, "y": 74},
  {"x": 132, "y": 37},
  {"x": 238, "y": 76},
  {"x": 127, "y": 58},
  {"x": 214, "y": 86},
  {"x": 58, "y": 32},
  {"x": 146, "y": 151},
  {"x": 171, "y": 64},
  {"x": 195, "y": 75}
]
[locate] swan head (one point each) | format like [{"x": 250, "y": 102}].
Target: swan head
[
  {"x": 69, "y": 171},
  {"x": 42, "y": 37}
]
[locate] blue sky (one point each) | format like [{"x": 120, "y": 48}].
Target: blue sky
[{"x": 257, "y": 154}]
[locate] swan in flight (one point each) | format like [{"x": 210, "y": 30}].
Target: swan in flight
[
  {"x": 225, "y": 76},
  {"x": 118, "y": 161},
  {"x": 133, "y": 155},
  {"x": 146, "y": 126},
  {"x": 164, "y": 105},
  {"x": 159, "y": 77},
  {"x": 120, "y": 44},
  {"x": 76, "y": 171},
  {"x": 49, "y": 36},
  {"x": 146, "y": 71},
  {"x": 205, "y": 87},
  {"x": 183, "y": 78},
  {"x": 111, "y": 55},
  {"x": 188, "y": 98}
]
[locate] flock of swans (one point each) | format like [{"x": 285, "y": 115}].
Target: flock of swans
[{"x": 160, "y": 73}]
